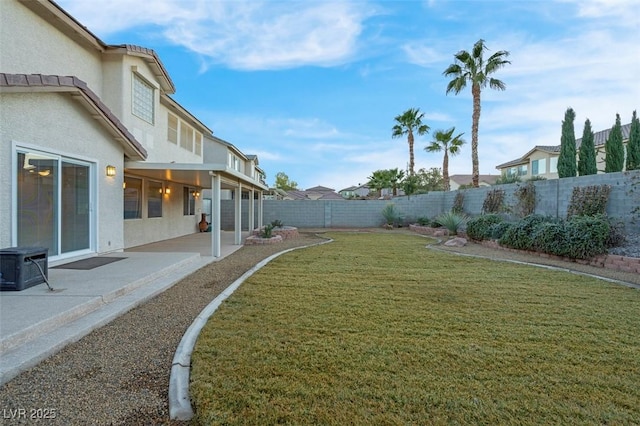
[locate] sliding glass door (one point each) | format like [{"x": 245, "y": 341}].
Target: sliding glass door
[{"x": 54, "y": 199}]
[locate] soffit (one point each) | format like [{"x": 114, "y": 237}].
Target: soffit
[{"x": 192, "y": 174}]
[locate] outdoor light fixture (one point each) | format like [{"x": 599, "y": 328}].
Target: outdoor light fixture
[
  {"x": 167, "y": 190},
  {"x": 111, "y": 171},
  {"x": 195, "y": 194}
]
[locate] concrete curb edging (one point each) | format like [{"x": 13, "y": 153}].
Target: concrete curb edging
[{"x": 179, "y": 400}]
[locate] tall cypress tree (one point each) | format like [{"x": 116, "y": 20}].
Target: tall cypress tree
[
  {"x": 633, "y": 146},
  {"x": 567, "y": 158},
  {"x": 587, "y": 152},
  {"x": 614, "y": 149}
]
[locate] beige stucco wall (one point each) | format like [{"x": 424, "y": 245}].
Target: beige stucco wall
[
  {"x": 56, "y": 124},
  {"x": 173, "y": 222},
  {"x": 38, "y": 48},
  {"x": 152, "y": 136},
  {"x": 540, "y": 155}
]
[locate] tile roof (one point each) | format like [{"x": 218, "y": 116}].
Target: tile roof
[
  {"x": 600, "y": 138},
  {"x": 320, "y": 189},
  {"x": 27, "y": 82},
  {"x": 154, "y": 61}
]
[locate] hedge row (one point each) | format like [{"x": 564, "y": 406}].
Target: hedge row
[{"x": 580, "y": 237}]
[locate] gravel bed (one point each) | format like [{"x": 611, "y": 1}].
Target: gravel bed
[
  {"x": 630, "y": 248},
  {"x": 119, "y": 374}
]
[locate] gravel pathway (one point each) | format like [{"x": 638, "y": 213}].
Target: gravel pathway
[{"x": 119, "y": 374}]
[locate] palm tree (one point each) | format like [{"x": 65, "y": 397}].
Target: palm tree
[
  {"x": 407, "y": 123},
  {"x": 445, "y": 141},
  {"x": 471, "y": 68}
]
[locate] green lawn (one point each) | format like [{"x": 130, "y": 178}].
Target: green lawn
[{"x": 375, "y": 329}]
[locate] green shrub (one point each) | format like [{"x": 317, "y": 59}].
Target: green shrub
[
  {"x": 497, "y": 230},
  {"x": 587, "y": 236},
  {"x": 519, "y": 235},
  {"x": 478, "y": 228},
  {"x": 277, "y": 224},
  {"x": 505, "y": 180},
  {"x": 435, "y": 224},
  {"x": 391, "y": 215},
  {"x": 267, "y": 231},
  {"x": 423, "y": 221},
  {"x": 552, "y": 238},
  {"x": 452, "y": 221}
]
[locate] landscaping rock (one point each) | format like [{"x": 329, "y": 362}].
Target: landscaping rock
[{"x": 456, "y": 242}]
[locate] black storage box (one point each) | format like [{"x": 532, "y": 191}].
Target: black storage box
[{"x": 18, "y": 271}]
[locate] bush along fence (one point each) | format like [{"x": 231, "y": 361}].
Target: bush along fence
[{"x": 584, "y": 237}]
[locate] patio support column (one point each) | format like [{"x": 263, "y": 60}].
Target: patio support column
[
  {"x": 260, "y": 196},
  {"x": 252, "y": 212},
  {"x": 215, "y": 215},
  {"x": 238, "y": 215}
]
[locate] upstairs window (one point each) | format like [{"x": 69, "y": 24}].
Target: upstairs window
[
  {"x": 142, "y": 99},
  {"x": 538, "y": 167},
  {"x": 234, "y": 162},
  {"x": 172, "y": 129},
  {"x": 183, "y": 135},
  {"x": 186, "y": 137},
  {"x": 198, "y": 147}
]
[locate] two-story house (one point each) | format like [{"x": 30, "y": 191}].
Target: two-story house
[
  {"x": 542, "y": 161},
  {"x": 95, "y": 155}
]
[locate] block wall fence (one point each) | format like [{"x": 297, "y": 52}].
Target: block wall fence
[{"x": 552, "y": 198}]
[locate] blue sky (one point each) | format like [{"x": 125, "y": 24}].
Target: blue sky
[{"x": 312, "y": 87}]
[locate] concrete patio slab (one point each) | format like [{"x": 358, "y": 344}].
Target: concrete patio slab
[{"x": 36, "y": 322}]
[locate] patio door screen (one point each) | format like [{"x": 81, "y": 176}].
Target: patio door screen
[{"x": 53, "y": 203}]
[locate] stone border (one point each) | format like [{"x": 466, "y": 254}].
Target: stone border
[
  {"x": 258, "y": 240},
  {"x": 286, "y": 232},
  {"x": 179, "y": 399},
  {"x": 427, "y": 230}
]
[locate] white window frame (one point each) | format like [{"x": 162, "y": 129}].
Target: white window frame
[
  {"x": 142, "y": 98},
  {"x": 173, "y": 134}
]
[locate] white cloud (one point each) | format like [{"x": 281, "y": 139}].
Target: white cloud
[
  {"x": 243, "y": 35},
  {"x": 424, "y": 55}
]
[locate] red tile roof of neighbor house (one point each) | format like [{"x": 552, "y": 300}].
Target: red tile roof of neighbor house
[{"x": 57, "y": 83}]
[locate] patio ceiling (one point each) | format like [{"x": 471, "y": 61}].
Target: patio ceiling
[{"x": 193, "y": 174}]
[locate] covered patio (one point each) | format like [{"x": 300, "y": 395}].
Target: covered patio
[{"x": 215, "y": 177}]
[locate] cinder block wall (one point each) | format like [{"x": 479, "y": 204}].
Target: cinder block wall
[{"x": 552, "y": 198}]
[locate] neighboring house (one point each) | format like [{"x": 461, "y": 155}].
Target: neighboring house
[
  {"x": 322, "y": 193},
  {"x": 315, "y": 193},
  {"x": 355, "y": 191},
  {"x": 456, "y": 181},
  {"x": 95, "y": 156},
  {"x": 542, "y": 161}
]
